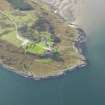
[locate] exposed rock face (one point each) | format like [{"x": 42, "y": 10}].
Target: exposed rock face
[{"x": 66, "y": 8}]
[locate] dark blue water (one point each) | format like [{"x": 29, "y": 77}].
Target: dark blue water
[{"x": 80, "y": 87}]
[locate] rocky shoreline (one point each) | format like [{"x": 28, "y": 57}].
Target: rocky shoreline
[
  {"x": 36, "y": 77},
  {"x": 79, "y": 44},
  {"x": 79, "y": 41}
]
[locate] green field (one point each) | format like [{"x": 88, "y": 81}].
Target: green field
[
  {"x": 38, "y": 48},
  {"x": 8, "y": 31},
  {"x": 18, "y": 19},
  {"x": 11, "y": 38},
  {"x": 21, "y": 17}
]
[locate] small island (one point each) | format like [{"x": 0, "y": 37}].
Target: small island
[{"x": 35, "y": 41}]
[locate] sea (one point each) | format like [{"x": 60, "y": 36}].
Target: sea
[{"x": 84, "y": 86}]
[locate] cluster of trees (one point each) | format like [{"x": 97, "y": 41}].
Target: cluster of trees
[{"x": 43, "y": 25}]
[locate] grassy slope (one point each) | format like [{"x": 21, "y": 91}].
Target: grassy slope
[{"x": 10, "y": 35}]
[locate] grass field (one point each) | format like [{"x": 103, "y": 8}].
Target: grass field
[
  {"x": 11, "y": 38},
  {"x": 23, "y": 18},
  {"x": 44, "y": 61},
  {"x": 8, "y": 30},
  {"x": 20, "y": 17},
  {"x": 38, "y": 48}
]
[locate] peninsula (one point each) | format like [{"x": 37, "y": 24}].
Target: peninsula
[{"x": 35, "y": 41}]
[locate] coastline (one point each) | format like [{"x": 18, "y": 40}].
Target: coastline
[
  {"x": 37, "y": 77},
  {"x": 79, "y": 41},
  {"x": 78, "y": 48}
]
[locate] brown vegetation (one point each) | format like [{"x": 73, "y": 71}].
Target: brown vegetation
[{"x": 4, "y": 5}]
